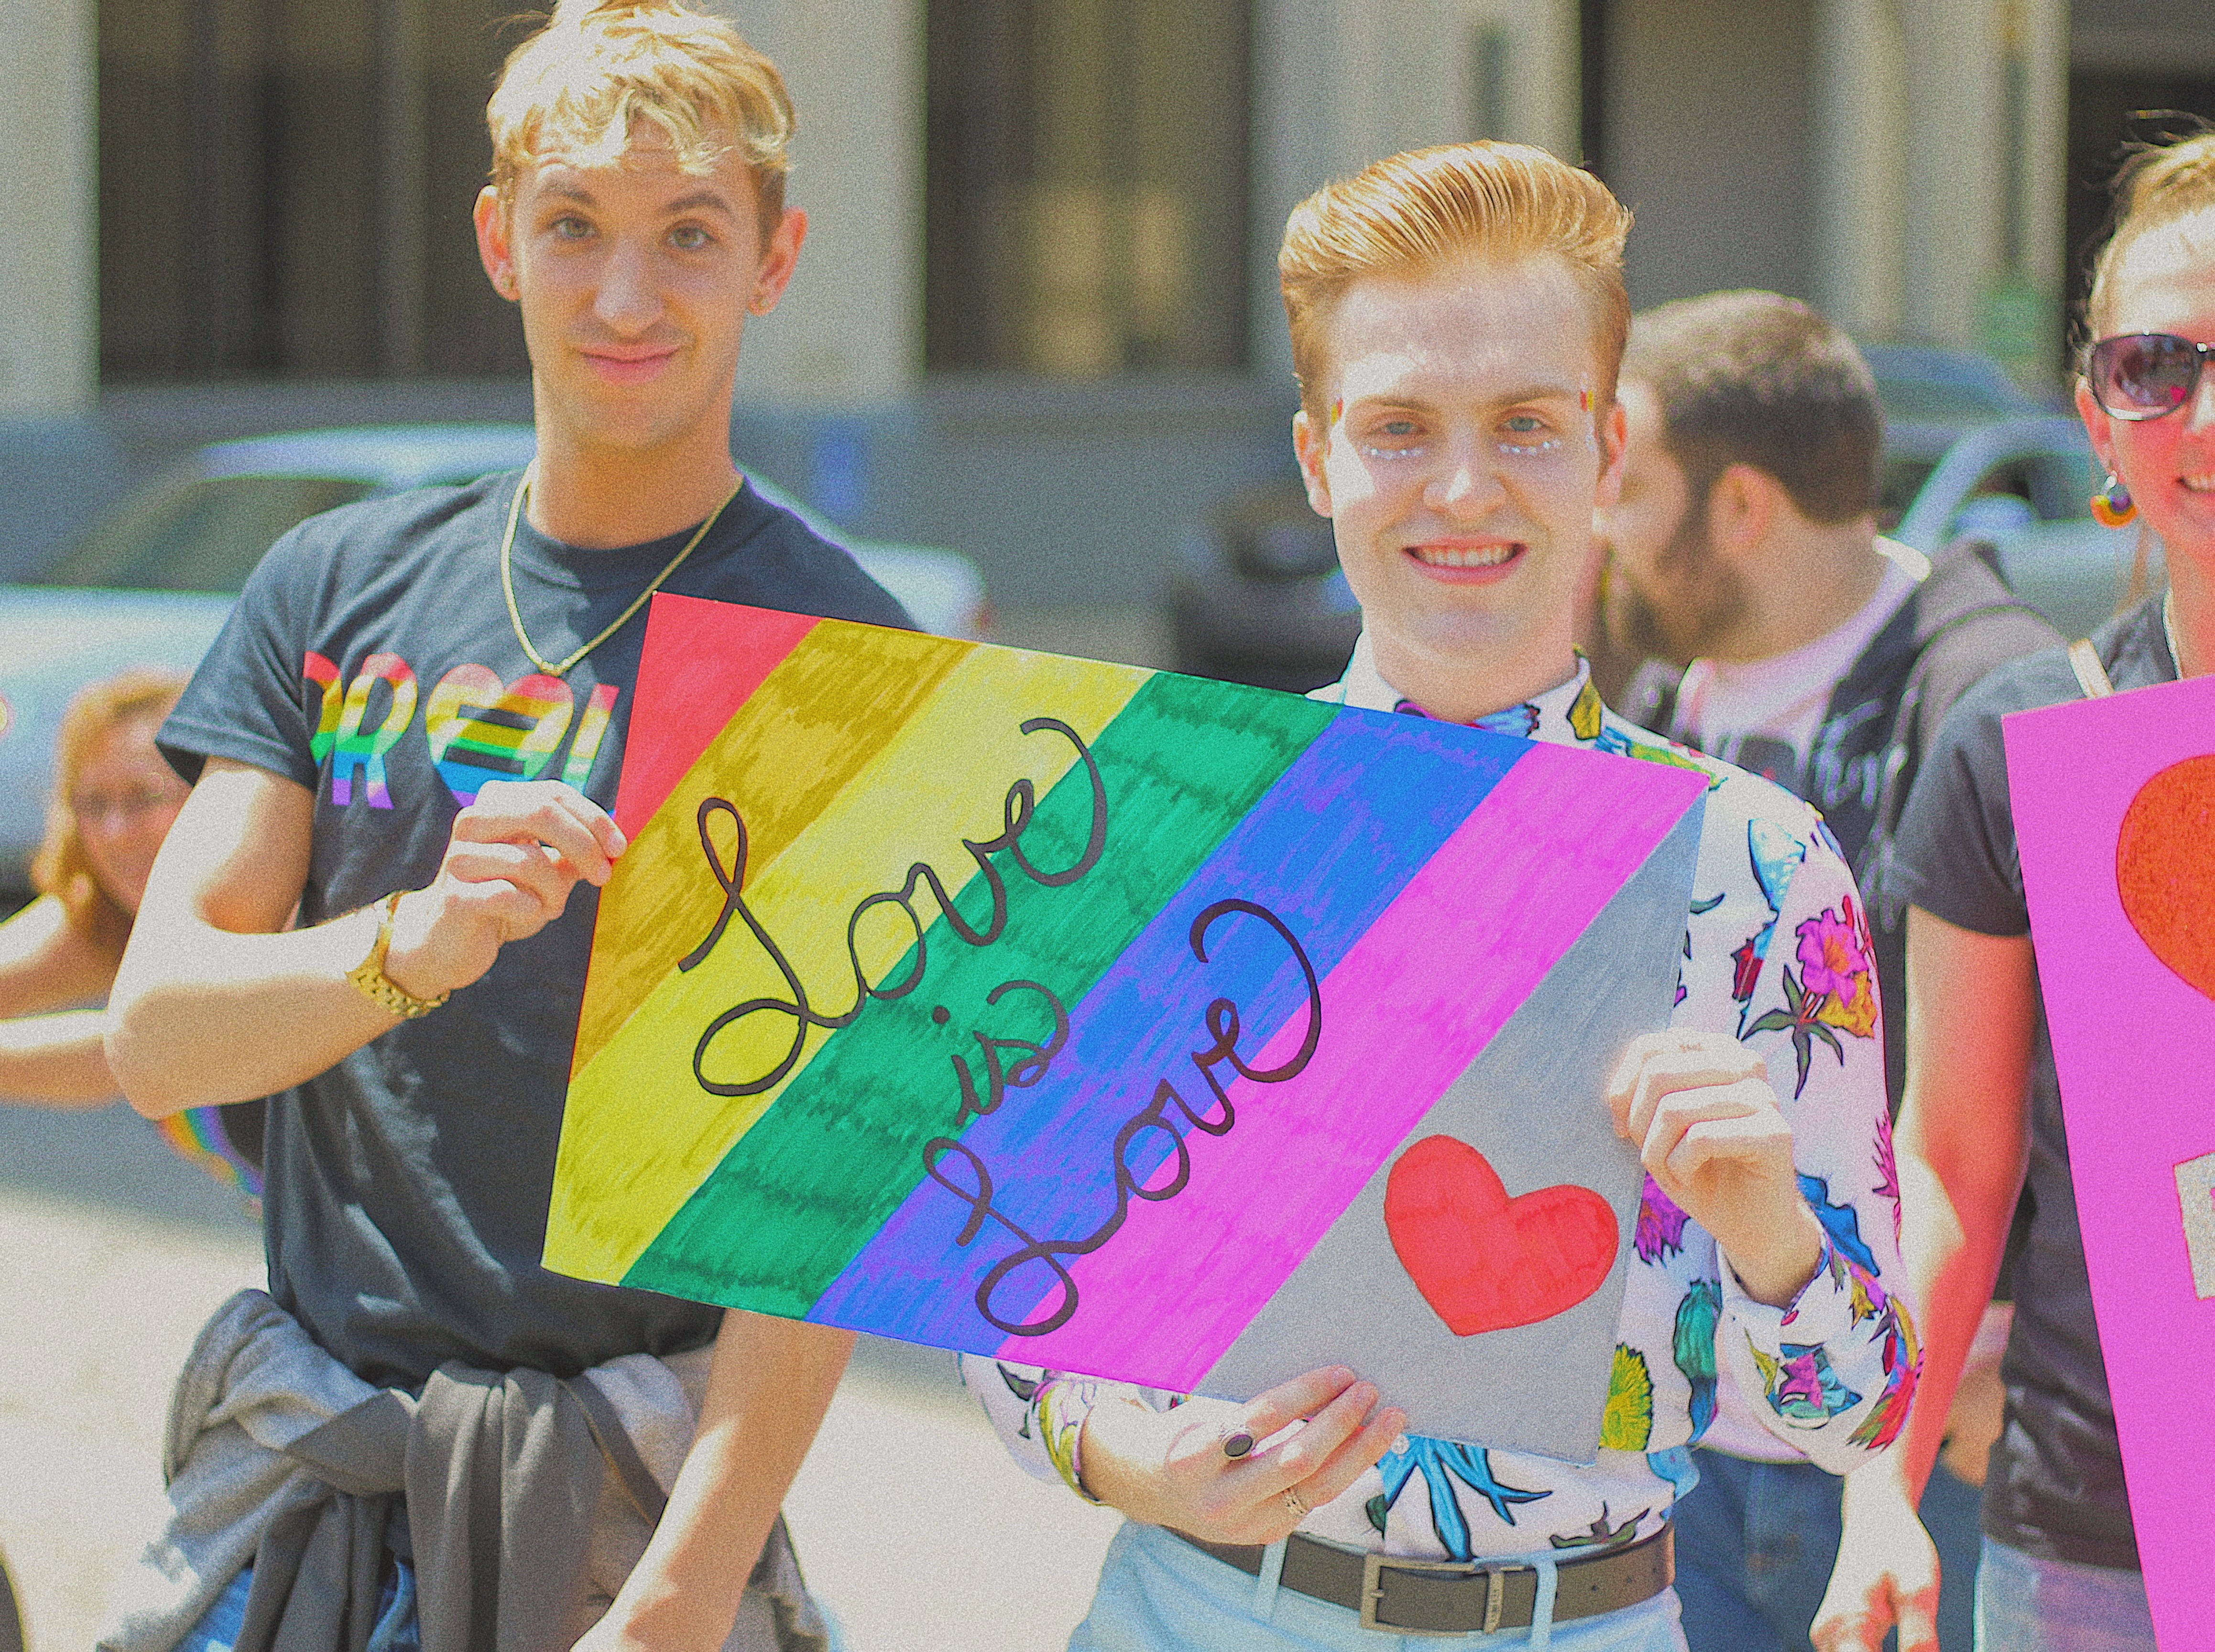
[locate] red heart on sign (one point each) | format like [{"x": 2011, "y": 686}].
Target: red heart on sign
[
  {"x": 2165, "y": 869},
  {"x": 1483, "y": 1261}
]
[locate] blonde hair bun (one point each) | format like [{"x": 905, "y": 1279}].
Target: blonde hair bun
[{"x": 2158, "y": 186}]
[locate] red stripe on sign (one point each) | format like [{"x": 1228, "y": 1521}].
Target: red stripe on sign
[{"x": 701, "y": 662}]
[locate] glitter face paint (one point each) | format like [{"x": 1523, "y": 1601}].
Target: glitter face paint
[{"x": 1544, "y": 444}]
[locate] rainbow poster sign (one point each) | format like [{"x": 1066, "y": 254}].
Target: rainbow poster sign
[
  {"x": 2114, "y": 808},
  {"x": 1121, "y": 1022}
]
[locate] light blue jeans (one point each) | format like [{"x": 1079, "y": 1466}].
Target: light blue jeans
[
  {"x": 2028, "y": 1605},
  {"x": 1158, "y": 1593},
  {"x": 396, "y": 1616}
]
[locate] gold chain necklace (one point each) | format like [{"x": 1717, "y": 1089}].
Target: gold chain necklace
[{"x": 507, "y": 577}]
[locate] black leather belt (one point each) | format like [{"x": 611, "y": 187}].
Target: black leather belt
[{"x": 1449, "y": 1597}]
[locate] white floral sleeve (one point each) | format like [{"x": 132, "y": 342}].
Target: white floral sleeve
[
  {"x": 1040, "y": 1415},
  {"x": 1832, "y": 1374}
]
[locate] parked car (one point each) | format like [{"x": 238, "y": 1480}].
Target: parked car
[
  {"x": 153, "y": 581},
  {"x": 1256, "y": 595},
  {"x": 1931, "y": 400}
]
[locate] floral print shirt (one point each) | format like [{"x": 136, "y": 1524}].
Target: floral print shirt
[{"x": 1776, "y": 953}]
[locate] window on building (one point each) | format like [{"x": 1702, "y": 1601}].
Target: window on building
[
  {"x": 1086, "y": 185},
  {"x": 285, "y": 189}
]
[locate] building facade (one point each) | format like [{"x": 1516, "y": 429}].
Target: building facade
[{"x": 1036, "y": 319}]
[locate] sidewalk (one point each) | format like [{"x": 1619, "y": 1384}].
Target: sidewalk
[{"x": 911, "y": 1522}]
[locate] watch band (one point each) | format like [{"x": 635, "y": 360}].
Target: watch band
[{"x": 378, "y": 987}]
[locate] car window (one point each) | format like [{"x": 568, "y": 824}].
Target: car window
[
  {"x": 1900, "y": 481},
  {"x": 2077, "y": 573},
  {"x": 1940, "y": 401},
  {"x": 2019, "y": 491},
  {"x": 2061, "y": 486},
  {"x": 202, "y": 534}
]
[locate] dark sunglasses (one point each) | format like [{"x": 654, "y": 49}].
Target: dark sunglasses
[{"x": 2138, "y": 375}]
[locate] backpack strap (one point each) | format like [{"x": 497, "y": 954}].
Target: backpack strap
[{"x": 2091, "y": 676}]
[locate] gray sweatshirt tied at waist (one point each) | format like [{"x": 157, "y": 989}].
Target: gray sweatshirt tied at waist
[{"x": 523, "y": 1500}]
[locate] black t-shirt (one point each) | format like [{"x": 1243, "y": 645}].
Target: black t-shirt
[
  {"x": 371, "y": 659},
  {"x": 2056, "y": 1484}
]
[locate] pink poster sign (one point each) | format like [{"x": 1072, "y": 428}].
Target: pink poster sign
[{"x": 2114, "y": 806}]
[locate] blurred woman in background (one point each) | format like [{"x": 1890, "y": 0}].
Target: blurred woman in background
[{"x": 114, "y": 796}]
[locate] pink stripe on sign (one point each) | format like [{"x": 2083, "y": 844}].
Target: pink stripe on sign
[{"x": 1182, "y": 1278}]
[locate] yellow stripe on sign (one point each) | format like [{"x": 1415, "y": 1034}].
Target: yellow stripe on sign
[
  {"x": 835, "y": 702},
  {"x": 641, "y": 1134}
]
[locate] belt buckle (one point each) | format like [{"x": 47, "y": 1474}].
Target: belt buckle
[{"x": 1372, "y": 1592}]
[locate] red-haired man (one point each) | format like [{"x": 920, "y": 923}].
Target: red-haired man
[{"x": 1458, "y": 317}]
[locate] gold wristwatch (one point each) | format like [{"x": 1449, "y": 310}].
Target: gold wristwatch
[{"x": 369, "y": 975}]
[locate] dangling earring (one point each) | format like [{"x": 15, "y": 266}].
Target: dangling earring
[{"x": 2113, "y": 507}]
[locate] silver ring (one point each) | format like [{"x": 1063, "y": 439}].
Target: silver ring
[
  {"x": 1237, "y": 1445},
  {"x": 1296, "y": 1503}
]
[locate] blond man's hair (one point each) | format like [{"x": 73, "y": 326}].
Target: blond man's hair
[
  {"x": 1409, "y": 214},
  {"x": 2154, "y": 189},
  {"x": 583, "y": 86},
  {"x": 61, "y": 867}
]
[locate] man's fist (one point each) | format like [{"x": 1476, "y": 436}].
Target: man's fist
[
  {"x": 1707, "y": 1123},
  {"x": 514, "y": 856}
]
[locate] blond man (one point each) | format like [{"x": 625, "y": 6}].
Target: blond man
[
  {"x": 408, "y": 735},
  {"x": 1458, "y": 318}
]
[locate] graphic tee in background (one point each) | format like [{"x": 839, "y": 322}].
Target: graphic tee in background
[
  {"x": 1763, "y": 715},
  {"x": 372, "y": 660}
]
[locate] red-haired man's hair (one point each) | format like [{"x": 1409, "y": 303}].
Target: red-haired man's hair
[{"x": 1408, "y": 214}]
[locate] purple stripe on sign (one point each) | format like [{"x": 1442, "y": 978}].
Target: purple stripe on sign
[
  {"x": 1328, "y": 848},
  {"x": 1184, "y": 1277}
]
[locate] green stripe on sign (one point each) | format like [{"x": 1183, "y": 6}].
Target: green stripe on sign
[{"x": 825, "y": 1167}]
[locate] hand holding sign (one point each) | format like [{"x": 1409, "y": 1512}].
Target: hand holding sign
[
  {"x": 514, "y": 856},
  {"x": 1701, "y": 1111},
  {"x": 1168, "y": 1468}
]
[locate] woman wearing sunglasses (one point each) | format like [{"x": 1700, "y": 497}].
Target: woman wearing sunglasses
[{"x": 1982, "y": 1117}]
